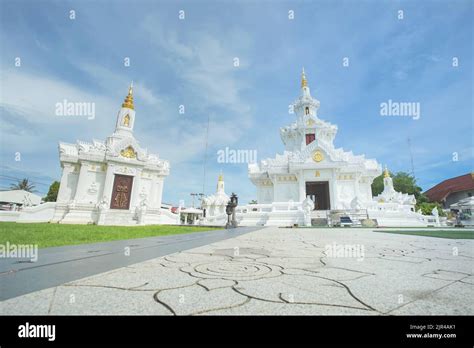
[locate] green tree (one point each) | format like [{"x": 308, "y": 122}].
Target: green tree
[
  {"x": 402, "y": 182},
  {"x": 427, "y": 207},
  {"x": 23, "y": 185},
  {"x": 406, "y": 183},
  {"x": 52, "y": 192},
  {"x": 377, "y": 185}
]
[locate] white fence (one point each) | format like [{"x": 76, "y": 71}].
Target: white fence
[{"x": 38, "y": 213}]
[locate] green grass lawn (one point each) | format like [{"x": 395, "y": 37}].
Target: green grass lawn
[
  {"x": 457, "y": 233},
  {"x": 49, "y": 235}
]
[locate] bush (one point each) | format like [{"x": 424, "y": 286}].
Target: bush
[
  {"x": 53, "y": 192},
  {"x": 427, "y": 207}
]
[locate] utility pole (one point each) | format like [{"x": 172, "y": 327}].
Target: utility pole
[
  {"x": 200, "y": 198},
  {"x": 205, "y": 157},
  {"x": 193, "y": 195},
  {"x": 196, "y": 194}
]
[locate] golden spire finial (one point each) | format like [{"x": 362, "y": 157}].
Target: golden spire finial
[
  {"x": 128, "y": 102},
  {"x": 304, "y": 82},
  {"x": 386, "y": 174},
  {"x": 221, "y": 177}
]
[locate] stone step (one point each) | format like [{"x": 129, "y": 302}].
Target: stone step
[
  {"x": 319, "y": 222},
  {"x": 319, "y": 214}
]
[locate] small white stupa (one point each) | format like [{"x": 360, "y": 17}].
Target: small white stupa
[
  {"x": 393, "y": 208},
  {"x": 215, "y": 204},
  {"x": 389, "y": 195}
]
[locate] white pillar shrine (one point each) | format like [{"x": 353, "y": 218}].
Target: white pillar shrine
[
  {"x": 311, "y": 166},
  {"x": 116, "y": 182}
]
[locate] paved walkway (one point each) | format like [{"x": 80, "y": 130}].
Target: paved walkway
[
  {"x": 60, "y": 265},
  {"x": 279, "y": 271}
]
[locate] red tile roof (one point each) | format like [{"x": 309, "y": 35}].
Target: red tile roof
[{"x": 460, "y": 183}]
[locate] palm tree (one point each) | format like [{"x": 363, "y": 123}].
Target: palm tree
[{"x": 23, "y": 185}]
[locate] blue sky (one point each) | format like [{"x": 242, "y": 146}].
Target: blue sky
[{"x": 190, "y": 62}]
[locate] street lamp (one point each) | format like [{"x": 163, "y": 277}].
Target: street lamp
[{"x": 230, "y": 211}]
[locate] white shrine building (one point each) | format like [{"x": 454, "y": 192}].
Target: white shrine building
[
  {"x": 116, "y": 182},
  {"x": 314, "y": 179},
  {"x": 311, "y": 165},
  {"x": 214, "y": 205}
]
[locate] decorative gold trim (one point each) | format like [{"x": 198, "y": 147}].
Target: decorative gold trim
[
  {"x": 386, "y": 174},
  {"x": 304, "y": 82},
  {"x": 128, "y": 152},
  {"x": 318, "y": 156},
  {"x": 128, "y": 102},
  {"x": 126, "y": 120}
]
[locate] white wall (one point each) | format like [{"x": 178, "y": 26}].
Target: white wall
[
  {"x": 286, "y": 191},
  {"x": 39, "y": 213},
  {"x": 345, "y": 193},
  {"x": 9, "y": 215},
  {"x": 265, "y": 194},
  {"x": 67, "y": 188}
]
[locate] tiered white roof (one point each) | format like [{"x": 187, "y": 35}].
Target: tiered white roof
[
  {"x": 298, "y": 154},
  {"x": 220, "y": 198},
  {"x": 121, "y": 146}
]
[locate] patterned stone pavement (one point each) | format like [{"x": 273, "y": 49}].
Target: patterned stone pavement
[{"x": 279, "y": 271}]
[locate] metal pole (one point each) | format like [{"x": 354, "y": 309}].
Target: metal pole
[
  {"x": 411, "y": 157},
  {"x": 205, "y": 157}
]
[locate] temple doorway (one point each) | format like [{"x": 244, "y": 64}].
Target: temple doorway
[
  {"x": 318, "y": 191},
  {"x": 121, "y": 192}
]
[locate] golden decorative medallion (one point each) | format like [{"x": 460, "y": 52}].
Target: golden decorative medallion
[
  {"x": 310, "y": 122},
  {"x": 317, "y": 174},
  {"x": 129, "y": 152},
  {"x": 318, "y": 156}
]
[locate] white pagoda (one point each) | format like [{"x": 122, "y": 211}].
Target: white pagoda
[
  {"x": 214, "y": 205},
  {"x": 116, "y": 182},
  {"x": 313, "y": 179},
  {"x": 389, "y": 195},
  {"x": 311, "y": 165}
]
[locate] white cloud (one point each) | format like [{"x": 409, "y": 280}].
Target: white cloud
[
  {"x": 113, "y": 82},
  {"x": 205, "y": 65},
  {"x": 30, "y": 101}
]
